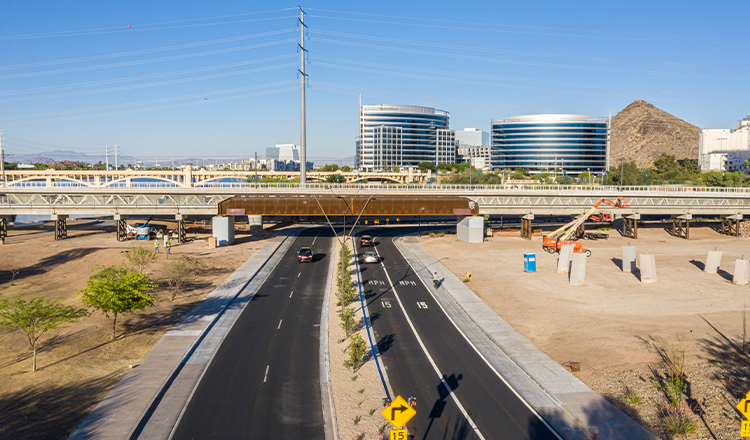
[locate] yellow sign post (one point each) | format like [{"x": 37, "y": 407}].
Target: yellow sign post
[
  {"x": 398, "y": 413},
  {"x": 744, "y": 407},
  {"x": 398, "y": 434}
]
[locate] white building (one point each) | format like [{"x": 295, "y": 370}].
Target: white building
[
  {"x": 472, "y": 137},
  {"x": 283, "y": 152},
  {"x": 725, "y": 149}
]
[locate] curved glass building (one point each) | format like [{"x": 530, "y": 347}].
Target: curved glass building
[
  {"x": 403, "y": 136},
  {"x": 555, "y": 143}
]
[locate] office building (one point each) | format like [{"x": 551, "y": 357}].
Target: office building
[
  {"x": 725, "y": 149},
  {"x": 569, "y": 144},
  {"x": 283, "y": 152},
  {"x": 472, "y": 137},
  {"x": 403, "y": 136}
]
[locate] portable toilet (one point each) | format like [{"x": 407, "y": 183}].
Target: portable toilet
[{"x": 529, "y": 262}]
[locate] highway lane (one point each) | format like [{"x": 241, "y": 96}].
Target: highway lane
[
  {"x": 264, "y": 381},
  {"x": 496, "y": 411}
]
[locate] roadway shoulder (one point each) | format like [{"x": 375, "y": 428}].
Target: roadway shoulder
[
  {"x": 565, "y": 402},
  {"x": 147, "y": 402}
]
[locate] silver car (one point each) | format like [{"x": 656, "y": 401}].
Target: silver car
[{"x": 371, "y": 257}]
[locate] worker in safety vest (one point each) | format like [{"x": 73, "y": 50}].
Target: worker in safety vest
[
  {"x": 156, "y": 246},
  {"x": 168, "y": 244}
]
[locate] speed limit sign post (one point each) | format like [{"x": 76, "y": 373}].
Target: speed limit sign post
[{"x": 398, "y": 434}]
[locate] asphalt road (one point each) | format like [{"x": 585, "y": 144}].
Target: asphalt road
[
  {"x": 495, "y": 410},
  {"x": 264, "y": 381}
]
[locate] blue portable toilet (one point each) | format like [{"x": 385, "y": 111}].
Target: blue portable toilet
[{"x": 529, "y": 262}]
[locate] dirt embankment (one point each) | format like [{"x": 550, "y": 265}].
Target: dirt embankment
[
  {"x": 80, "y": 364},
  {"x": 613, "y": 323}
]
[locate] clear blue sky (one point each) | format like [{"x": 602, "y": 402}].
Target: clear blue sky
[{"x": 74, "y": 76}]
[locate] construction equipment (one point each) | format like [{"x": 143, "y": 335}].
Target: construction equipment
[
  {"x": 554, "y": 241},
  {"x": 142, "y": 232}
]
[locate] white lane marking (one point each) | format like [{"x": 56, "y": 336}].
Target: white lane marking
[
  {"x": 484, "y": 358},
  {"x": 266, "y": 376},
  {"x": 432, "y": 362},
  {"x": 292, "y": 293},
  {"x": 316, "y": 236},
  {"x": 422, "y": 305},
  {"x": 299, "y": 274},
  {"x": 279, "y": 325}
]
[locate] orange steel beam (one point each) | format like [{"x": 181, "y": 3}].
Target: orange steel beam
[{"x": 332, "y": 205}]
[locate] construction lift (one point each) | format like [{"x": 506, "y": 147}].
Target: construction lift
[{"x": 554, "y": 241}]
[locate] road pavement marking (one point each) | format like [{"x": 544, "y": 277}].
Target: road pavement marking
[
  {"x": 432, "y": 362},
  {"x": 266, "y": 376},
  {"x": 279, "y": 325},
  {"x": 299, "y": 274},
  {"x": 422, "y": 305},
  {"x": 292, "y": 293},
  {"x": 316, "y": 236}
]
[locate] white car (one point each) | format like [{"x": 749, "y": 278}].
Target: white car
[{"x": 371, "y": 257}]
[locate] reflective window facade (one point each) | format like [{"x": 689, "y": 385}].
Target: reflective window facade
[
  {"x": 570, "y": 143},
  {"x": 402, "y": 136}
]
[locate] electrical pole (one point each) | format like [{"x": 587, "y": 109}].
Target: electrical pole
[
  {"x": 116, "y": 165},
  {"x": 106, "y": 156},
  {"x": 256, "y": 170},
  {"x": 2, "y": 157},
  {"x": 303, "y": 81},
  {"x": 622, "y": 169}
]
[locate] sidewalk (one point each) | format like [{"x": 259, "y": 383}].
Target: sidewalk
[
  {"x": 567, "y": 404},
  {"x": 148, "y": 401}
]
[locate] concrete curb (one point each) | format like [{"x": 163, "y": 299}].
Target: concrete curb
[
  {"x": 567, "y": 404},
  {"x": 326, "y": 392},
  {"x": 147, "y": 402}
]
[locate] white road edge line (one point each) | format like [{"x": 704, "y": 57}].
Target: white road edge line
[
  {"x": 432, "y": 362},
  {"x": 299, "y": 274},
  {"x": 291, "y": 293},
  {"x": 279, "y": 324},
  {"x": 266, "y": 376},
  {"x": 476, "y": 349}
]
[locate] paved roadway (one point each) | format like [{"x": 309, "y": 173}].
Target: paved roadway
[
  {"x": 494, "y": 408},
  {"x": 264, "y": 381}
]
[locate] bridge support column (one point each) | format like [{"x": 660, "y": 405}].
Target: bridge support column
[
  {"x": 3, "y": 228},
  {"x": 255, "y": 222},
  {"x": 526, "y": 226},
  {"x": 61, "y": 226},
  {"x": 730, "y": 224},
  {"x": 628, "y": 226},
  {"x": 49, "y": 182},
  {"x": 681, "y": 225},
  {"x": 181, "y": 233},
  {"x": 580, "y": 230},
  {"x": 470, "y": 229},
  {"x": 122, "y": 227}
]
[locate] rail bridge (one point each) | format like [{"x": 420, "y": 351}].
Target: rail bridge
[{"x": 679, "y": 202}]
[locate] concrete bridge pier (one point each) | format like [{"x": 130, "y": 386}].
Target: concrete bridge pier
[
  {"x": 681, "y": 225},
  {"x": 122, "y": 227},
  {"x": 181, "y": 234},
  {"x": 526, "y": 226},
  {"x": 255, "y": 222},
  {"x": 4, "y": 226},
  {"x": 627, "y": 225},
  {"x": 61, "y": 226},
  {"x": 730, "y": 224}
]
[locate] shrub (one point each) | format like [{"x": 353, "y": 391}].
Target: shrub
[
  {"x": 678, "y": 419},
  {"x": 632, "y": 396},
  {"x": 348, "y": 324},
  {"x": 357, "y": 349}
]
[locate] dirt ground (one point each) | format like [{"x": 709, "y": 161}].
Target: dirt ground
[
  {"x": 613, "y": 323},
  {"x": 80, "y": 364},
  {"x": 356, "y": 394}
]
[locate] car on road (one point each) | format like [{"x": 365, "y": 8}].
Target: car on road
[
  {"x": 371, "y": 257},
  {"x": 305, "y": 255},
  {"x": 366, "y": 240}
]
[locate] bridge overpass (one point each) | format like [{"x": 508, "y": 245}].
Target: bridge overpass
[{"x": 682, "y": 203}]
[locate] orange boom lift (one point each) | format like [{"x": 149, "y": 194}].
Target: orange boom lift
[{"x": 555, "y": 240}]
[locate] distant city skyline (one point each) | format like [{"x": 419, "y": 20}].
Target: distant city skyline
[{"x": 222, "y": 79}]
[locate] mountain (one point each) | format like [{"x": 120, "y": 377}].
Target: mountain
[{"x": 641, "y": 132}]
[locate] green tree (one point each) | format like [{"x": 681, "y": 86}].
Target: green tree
[
  {"x": 140, "y": 257},
  {"x": 665, "y": 163},
  {"x": 357, "y": 350},
  {"x": 335, "y": 178},
  {"x": 346, "y": 169},
  {"x": 37, "y": 317},
  {"x": 118, "y": 290},
  {"x": 330, "y": 167},
  {"x": 425, "y": 166},
  {"x": 178, "y": 273}
]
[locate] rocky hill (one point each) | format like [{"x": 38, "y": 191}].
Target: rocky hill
[{"x": 641, "y": 132}]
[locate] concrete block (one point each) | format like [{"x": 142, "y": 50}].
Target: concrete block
[
  {"x": 563, "y": 261},
  {"x": 741, "y": 271},
  {"x": 577, "y": 269},
  {"x": 712, "y": 262},
  {"x": 470, "y": 229},
  {"x": 648, "y": 268},
  {"x": 223, "y": 230},
  {"x": 628, "y": 258},
  {"x": 255, "y": 222}
]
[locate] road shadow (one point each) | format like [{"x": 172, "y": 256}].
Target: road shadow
[
  {"x": 52, "y": 412},
  {"x": 318, "y": 257},
  {"x": 385, "y": 343},
  {"x": 439, "y": 406}
]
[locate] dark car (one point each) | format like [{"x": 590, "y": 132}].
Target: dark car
[
  {"x": 305, "y": 255},
  {"x": 365, "y": 240}
]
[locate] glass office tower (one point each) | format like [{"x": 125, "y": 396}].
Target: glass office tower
[
  {"x": 551, "y": 143},
  {"x": 402, "y": 136}
]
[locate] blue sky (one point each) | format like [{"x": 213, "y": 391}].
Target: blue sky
[{"x": 219, "y": 79}]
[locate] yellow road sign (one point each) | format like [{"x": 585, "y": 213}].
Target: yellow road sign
[
  {"x": 744, "y": 406},
  {"x": 399, "y": 412},
  {"x": 744, "y": 430},
  {"x": 398, "y": 434}
]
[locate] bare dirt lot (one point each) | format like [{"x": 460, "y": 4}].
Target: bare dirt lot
[
  {"x": 613, "y": 323},
  {"x": 80, "y": 364}
]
